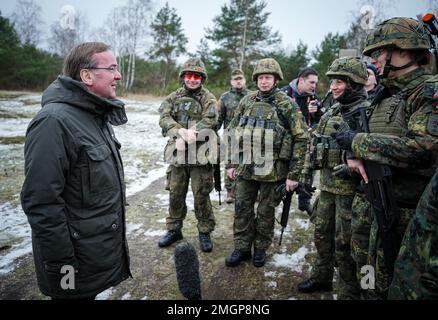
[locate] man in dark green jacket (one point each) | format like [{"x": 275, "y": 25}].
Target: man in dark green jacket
[{"x": 74, "y": 190}]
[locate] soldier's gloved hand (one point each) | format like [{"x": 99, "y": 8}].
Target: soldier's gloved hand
[
  {"x": 344, "y": 138},
  {"x": 180, "y": 144}
]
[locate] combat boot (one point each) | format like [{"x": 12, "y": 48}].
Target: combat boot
[
  {"x": 231, "y": 196},
  {"x": 237, "y": 257},
  {"x": 170, "y": 237},
  {"x": 205, "y": 241},
  {"x": 311, "y": 285},
  {"x": 304, "y": 205},
  {"x": 259, "y": 258}
]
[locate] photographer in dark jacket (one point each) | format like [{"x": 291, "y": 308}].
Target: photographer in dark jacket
[
  {"x": 302, "y": 91},
  {"x": 74, "y": 190}
]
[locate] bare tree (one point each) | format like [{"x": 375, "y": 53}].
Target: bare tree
[
  {"x": 433, "y": 6},
  {"x": 70, "y": 30},
  {"x": 27, "y": 21},
  {"x": 364, "y": 19},
  {"x": 126, "y": 29}
]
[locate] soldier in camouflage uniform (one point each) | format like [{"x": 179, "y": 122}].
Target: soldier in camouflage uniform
[
  {"x": 270, "y": 117},
  {"x": 416, "y": 268},
  {"x": 184, "y": 115},
  {"x": 228, "y": 103},
  {"x": 402, "y": 127},
  {"x": 333, "y": 211}
]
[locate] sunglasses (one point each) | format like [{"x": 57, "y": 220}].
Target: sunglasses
[{"x": 192, "y": 76}]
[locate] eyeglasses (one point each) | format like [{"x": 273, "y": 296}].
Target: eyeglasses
[
  {"x": 192, "y": 76},
  {"x": 375, "y": 54},
  {"x": 112, "y": 69}
]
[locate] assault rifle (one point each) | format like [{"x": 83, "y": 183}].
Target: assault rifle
[
  {"x": 378, "y": 191},
  {"x": 286, "y": 197}
]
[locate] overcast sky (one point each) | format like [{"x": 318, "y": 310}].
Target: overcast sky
[{"x": 307, "y": 20}]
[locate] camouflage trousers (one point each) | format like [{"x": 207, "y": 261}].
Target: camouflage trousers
[
  {"x": 202, "y": 184},
  {"x": 332, "y": 241},
  {"x": 248, "y": 227},
  {"x": 376, "y": 257},
  {"x": 361, "y": 220},
  {"x": 416, "y": 268}
]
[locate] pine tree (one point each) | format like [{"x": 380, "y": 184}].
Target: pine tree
[
  {"x": 324, "y": 55},
  {"x": 240, "y": 31},
  {"x": 169, "y": 39}
]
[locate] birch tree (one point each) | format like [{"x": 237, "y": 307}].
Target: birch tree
[{"x": 27, "y": 21}]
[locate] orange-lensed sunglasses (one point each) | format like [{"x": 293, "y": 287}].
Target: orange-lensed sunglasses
[{"x": 192, "y": 76}]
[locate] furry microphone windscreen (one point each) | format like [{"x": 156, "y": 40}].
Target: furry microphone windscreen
[{"x": 187, "y": 271}]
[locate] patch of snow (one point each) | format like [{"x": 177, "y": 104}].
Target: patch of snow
[
  {"x": 294, "y": 262},
  {"x": 14, "y": 231},
  {"x": 133, "y": 227},
  {"x": 126, "y": 296},
  {"x": 272, "y": 284},
  {"x": 105, "y": 294},
  {"x": 155, "y": 233},
  {"x": 303, "y": 223},
  {"x": 13, "y": 127}
]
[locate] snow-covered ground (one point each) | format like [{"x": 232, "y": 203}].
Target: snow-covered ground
[{"x": 142, "y": 147}]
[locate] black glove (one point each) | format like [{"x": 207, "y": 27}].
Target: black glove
[{"x": 344, "y": 138}]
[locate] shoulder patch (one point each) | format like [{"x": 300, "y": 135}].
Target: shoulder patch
[{"x": 432, "y": 125}]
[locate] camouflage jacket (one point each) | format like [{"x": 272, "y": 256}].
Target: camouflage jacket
[
  {"x": 412, "y": 116},
  {"x": 228, "y": 104},
  {"x": 286, "y": 164},
  {"x": 333, "y": 156},
  {"x": 190, "y": 110}
]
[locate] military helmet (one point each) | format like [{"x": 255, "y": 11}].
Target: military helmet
[
  {"x": 349, "y": 67},
  {"x": 194, "y": 65},
  {"x": 403, "y": 33},
  {"x": 267, "y": 66},
  {"x": 236, "y": 73}
]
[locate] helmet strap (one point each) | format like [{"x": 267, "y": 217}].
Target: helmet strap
[{"x": 389, "y": 67}]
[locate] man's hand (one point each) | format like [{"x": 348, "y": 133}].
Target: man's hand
[
  {"x": 357, "y": 166},
  {"x": 188, "y": 135},
  {"x": 313, "y": 106},
  {"x": 191, "y": 136},
  {"x": 291, "y": 185},
  {"x": 180, "y": 144},
  {"x": 231, "y": 173}
]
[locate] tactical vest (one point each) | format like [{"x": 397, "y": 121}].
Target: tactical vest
[
  {"x": 327, "y": 151},
  {"x": 261, "y": 123},
  {"x": 389, "y": 117},
  {"x": 231, "y": 101},
  {"x": 186, "y": 109}
]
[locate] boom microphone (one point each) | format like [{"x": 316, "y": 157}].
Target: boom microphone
[{"x": 187, "y": 271}]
